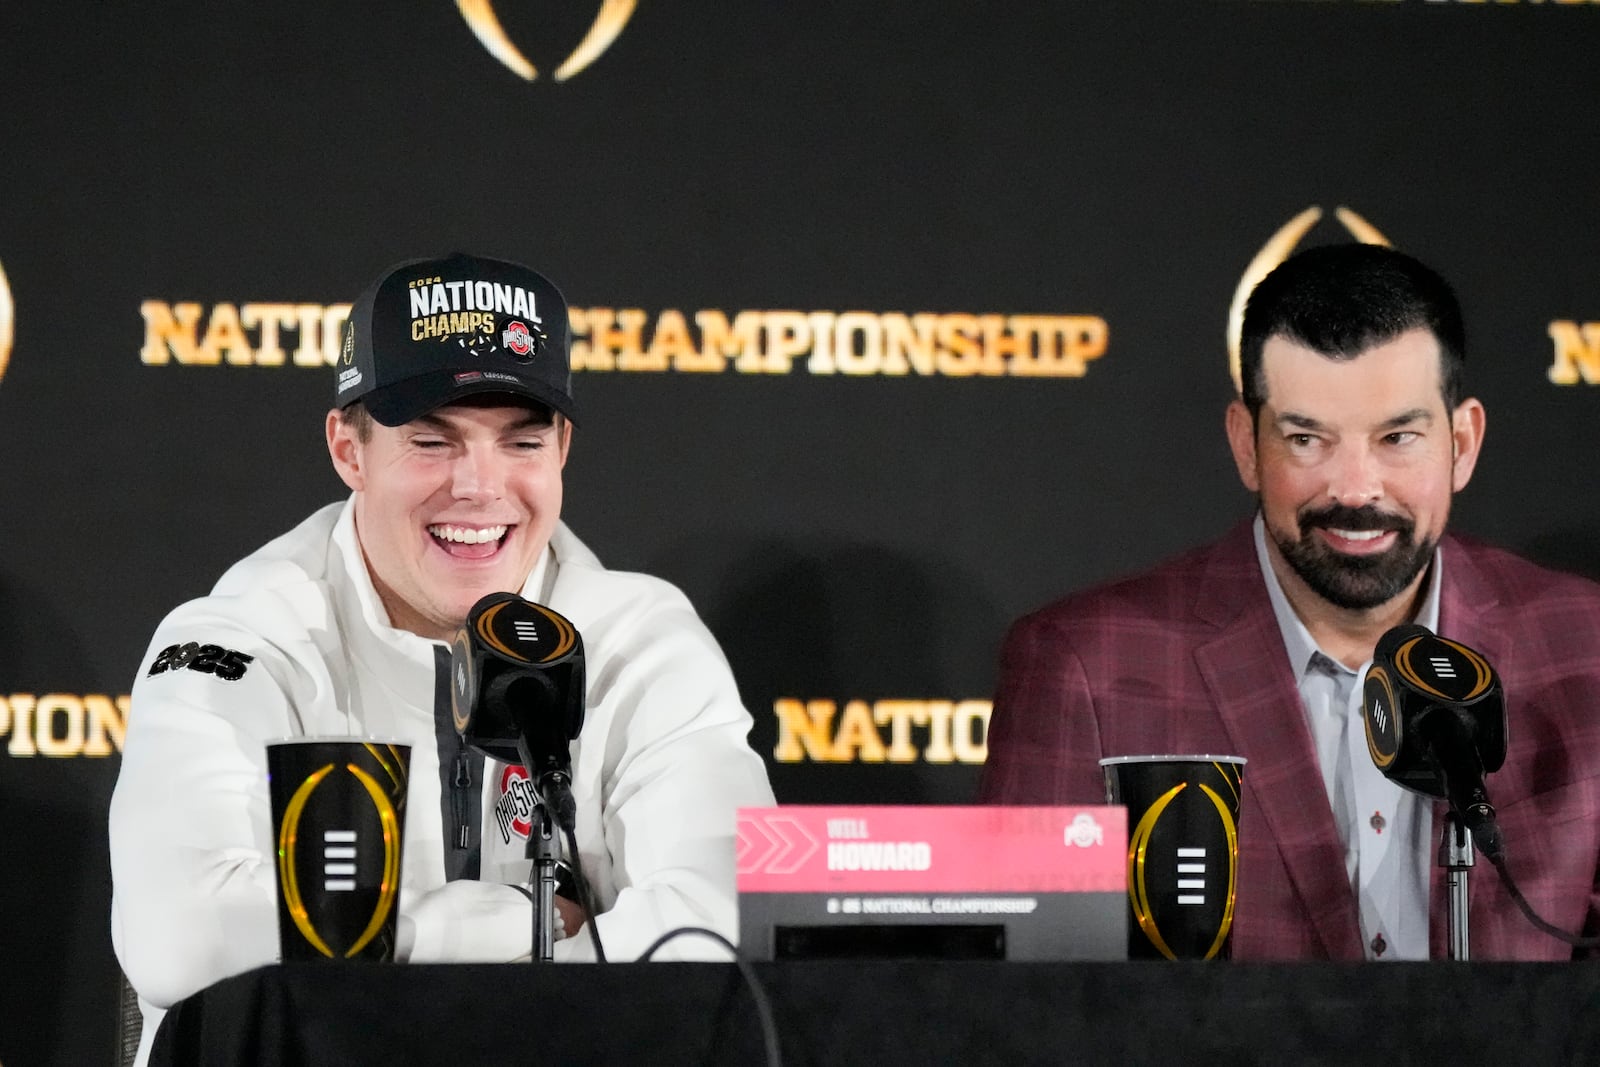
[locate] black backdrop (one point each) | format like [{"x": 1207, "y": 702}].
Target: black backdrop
[{"x": 852, "y": 539}]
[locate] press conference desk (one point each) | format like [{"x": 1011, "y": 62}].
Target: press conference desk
[{"x": 891, "y": 1012}]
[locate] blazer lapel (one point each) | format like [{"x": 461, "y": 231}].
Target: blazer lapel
[{"x": 1252, "y": 686}]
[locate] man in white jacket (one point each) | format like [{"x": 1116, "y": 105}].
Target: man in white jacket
[{"x": 452, "y": 424}]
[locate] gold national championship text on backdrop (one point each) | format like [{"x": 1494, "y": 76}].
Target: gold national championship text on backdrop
[
  {"x": 704, "y": 342},
  {"x": 751, "y": 342}
]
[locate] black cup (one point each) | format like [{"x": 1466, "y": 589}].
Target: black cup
[
  {"x": 338, "y": 818},
  {"x": 1183, "y": 851}
]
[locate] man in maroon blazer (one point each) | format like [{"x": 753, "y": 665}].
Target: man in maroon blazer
[{"x": 1353, "y": 432}]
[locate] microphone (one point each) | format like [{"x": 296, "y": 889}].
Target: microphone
[
  {"x": 517, "y": 692},
  {"x": 1436, "y": 724}
]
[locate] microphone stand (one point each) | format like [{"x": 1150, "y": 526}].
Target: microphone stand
[
  {"x": 1455, "y": 856},
  {"x": 544, "y": 848}
]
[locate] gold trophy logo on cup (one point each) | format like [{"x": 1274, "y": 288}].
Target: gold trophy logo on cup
[
  {"x": 1183, "y": 851},
  {"x": 338, "y": 811}
]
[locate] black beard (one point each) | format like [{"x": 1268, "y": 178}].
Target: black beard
[{"x": 1355, "y": 583}]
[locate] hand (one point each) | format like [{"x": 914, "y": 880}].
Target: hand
[
  {"x": 570, "y": 917},
  {"x": 465, "y": 921}
]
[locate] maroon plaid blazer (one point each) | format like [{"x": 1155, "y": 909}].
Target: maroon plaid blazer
[{"x": 1188, "y": 658}]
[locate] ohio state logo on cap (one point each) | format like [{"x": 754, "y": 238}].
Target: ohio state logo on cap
[{"x": 518, "y": 340}]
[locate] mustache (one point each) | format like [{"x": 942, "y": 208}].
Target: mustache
[{"x": 1340, "y": 517}]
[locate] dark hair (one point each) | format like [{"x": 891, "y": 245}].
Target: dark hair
[{"x": 1341, "y": 300}]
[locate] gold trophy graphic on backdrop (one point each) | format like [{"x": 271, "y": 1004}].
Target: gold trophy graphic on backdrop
[
  {"x": 5, "y": 321},
  {"x": 1274, "y": 252},
  {"x": 608, "y": 24}
]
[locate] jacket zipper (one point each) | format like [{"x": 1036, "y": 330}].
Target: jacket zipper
[{"x": 459, "y": 797}]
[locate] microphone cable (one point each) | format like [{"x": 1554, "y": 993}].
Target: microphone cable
[
  {"x": 585, "y": 894},
  {"x": 769, "y": 1028},
  {"x": 1498, "y": 859}
]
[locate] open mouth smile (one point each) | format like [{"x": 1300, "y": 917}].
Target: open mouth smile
[
  {"x": 469, "y": 542},
  {"x": 1357, "y": 542}
]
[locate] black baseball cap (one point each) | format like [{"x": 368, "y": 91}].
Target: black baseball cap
[{"x": 431, "y": 331}]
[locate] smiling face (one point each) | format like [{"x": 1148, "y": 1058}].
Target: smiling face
[
  {"x": 1355, "y": 462},
  {"x": 452, "y": 506}
]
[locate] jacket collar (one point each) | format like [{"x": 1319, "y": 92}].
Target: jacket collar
[{"x": 1466, "y": 604}]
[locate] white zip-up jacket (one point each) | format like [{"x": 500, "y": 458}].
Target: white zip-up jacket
[{"x": 658, "y": 771}]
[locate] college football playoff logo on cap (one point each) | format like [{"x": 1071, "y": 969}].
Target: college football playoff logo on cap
[
  {"x": 607, "y": 26},
  {"x": 349, "y": 376},
  {"x": 1275, "y": 251},
  {"x": 5, "y": 321}
]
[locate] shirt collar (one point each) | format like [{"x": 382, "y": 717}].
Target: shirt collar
[{"x": 1297, "y": 640}]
